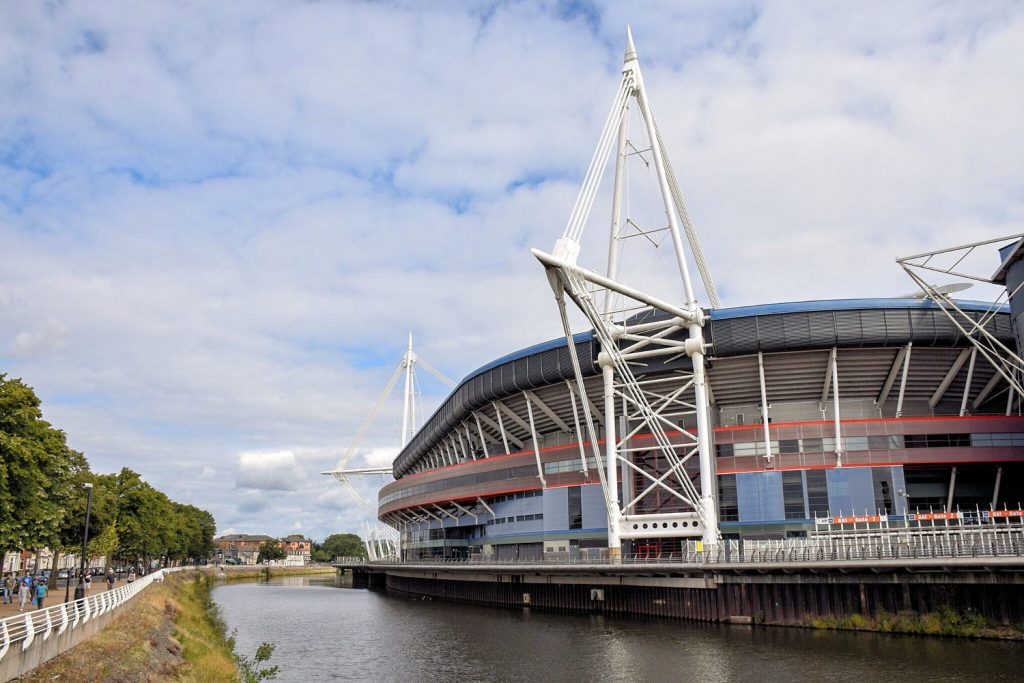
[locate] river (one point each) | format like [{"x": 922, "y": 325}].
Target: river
[{"x": 324, "y": 631}]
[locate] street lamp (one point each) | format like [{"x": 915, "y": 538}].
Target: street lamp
[{"x": 85, "y": 532}]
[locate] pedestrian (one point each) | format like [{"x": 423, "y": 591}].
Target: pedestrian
[
  {"x": 88, "y": 583},
  {"x": 111, "y": 578},
  {"x": 131, "y": 575},
  {"x": 41, "y": 589},
  {"x": 8, "y": 586},
  {"x": 24, "y": 589}
]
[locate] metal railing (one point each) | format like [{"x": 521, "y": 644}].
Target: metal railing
[
  {"x": 44, "y": 623},
  {"x": 910, "y": 546}
]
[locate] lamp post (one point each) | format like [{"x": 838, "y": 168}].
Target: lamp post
[{"x": 85, "y": 532}]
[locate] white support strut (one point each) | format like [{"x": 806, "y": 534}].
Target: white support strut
[{"x": 635, "y": 327}]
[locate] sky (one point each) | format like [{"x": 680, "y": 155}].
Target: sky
[{"x": 219, "y": 222}]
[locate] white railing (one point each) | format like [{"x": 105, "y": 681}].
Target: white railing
[
  {"x": 910, "y": 547},
  {"x": 23, "y": 629}
]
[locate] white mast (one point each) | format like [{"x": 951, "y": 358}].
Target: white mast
[
  {"x": 406, "y": 408},
  {"x": 626, "y": 337},
  {"x": 383, "y": 539}
]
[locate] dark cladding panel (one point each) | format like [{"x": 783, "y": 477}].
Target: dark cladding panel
[
  {"x": 564, "y": 360},
  {"x": 508, "y": 378},
  {"x": 549, "y": 368},
  {"x": 1001, "y": 327},
  {"x": 923, "y": 325},
  {"x": 873, "y": 327},
  {"x": 897, "y": 325},
  {"x": 744, "y": 333},
  {"x": 522, "y": 373},
  {"x": 797, "y": 330},
  {"x": 587, "y": 354},
  {"x": 821, "y": 326},
  {"x": 771, "y": 332},
  {"x": 720, "y": 334},
  {"x": 945, "y": 331},
  {"x": 492, "y": 384},
  {"x": 535, "y": 370},
  {"x": 849, "y": 329}
]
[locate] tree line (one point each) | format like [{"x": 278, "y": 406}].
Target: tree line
[{"x": 43, "y": 500}]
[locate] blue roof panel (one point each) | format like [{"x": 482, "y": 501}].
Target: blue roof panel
[{"x": 843, "y": 305}]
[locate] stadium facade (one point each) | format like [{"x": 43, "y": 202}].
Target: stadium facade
[
  {"x": 501, "y": 469},
  {"x": 673, "y": 421}
]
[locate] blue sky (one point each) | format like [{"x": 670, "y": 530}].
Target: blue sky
[{"x": 220, "y": 221}]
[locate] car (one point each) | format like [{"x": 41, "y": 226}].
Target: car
[{"x": 62, "y": 574}]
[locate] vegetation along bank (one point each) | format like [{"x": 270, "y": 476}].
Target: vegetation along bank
[{"x": 171, "y": 632}]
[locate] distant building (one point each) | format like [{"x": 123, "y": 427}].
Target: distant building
[
  {"x": 240, "y": 548},
  {"x": 245, "y": 548},
  {"x": 299, "y": 550}
]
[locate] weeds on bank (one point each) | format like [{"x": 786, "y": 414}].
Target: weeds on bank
[
  {"x": 250, "y": 668},
  {"x": 206, "y": 643},
  {"x": 945, "y": 622}
]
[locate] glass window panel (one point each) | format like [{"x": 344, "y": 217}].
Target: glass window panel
[
  {"x": 793, "y": 494},
  {"x": 728, "y": 508},
  {"x": 812, "y": 445},
  {"x": 817, "y": 493},
  {"x": 856, "y": 443}
]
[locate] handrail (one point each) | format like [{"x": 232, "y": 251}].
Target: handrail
[
  {"x": 907, "y": 547},
  {"x": 25, "y": 628}
]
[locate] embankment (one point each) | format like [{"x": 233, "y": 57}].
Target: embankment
[
  {"x": 171, "y": 631},
  {"x": 256, "y": 573}
]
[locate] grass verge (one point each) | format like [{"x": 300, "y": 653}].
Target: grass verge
[
  {"x": 252, "y": 573},
  {"x": 170, "y": 631}
]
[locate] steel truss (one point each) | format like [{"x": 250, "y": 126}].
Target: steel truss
[
  {"x": 1006, "y": 361},
  {"x": 635, "y": 328},
  {"x": 383, "y": 541}
]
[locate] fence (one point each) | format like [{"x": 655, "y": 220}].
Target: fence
[
  {"x": 20, "y": 632},
  {"x": 909, "y": 546}
]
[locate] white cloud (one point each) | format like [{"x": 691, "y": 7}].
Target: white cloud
[
  {"x": 268, "y": 471},
  {"x": 220, "y": 222}
]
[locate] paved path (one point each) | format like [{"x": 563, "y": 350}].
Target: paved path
[{"x": 55, "y": 597}]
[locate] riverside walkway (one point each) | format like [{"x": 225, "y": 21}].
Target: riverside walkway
[
  {"x": 55, "y": 597},
  {"x": 29, "y": 638}
]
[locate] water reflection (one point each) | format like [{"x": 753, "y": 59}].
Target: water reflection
[{"x": 326, "y": 632}]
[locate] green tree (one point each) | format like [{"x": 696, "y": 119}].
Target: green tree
[
  {"x": 339, "y": 545},
  {"x": 270, "y": 550},
  {"x": 102, "y": 513},
  {"x": 105, "y": 544},
  {"x": 37, "y": 471},
  {"x": 43, "y": 498}
]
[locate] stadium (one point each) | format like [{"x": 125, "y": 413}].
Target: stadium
[
  {"x": 672, "y": 422},
  {"x": 920, "y": 428}
]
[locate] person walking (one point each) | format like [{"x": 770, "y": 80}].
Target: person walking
[
  {"x": 131, "y": 575},
  {"x": 24, "y": 589},
  {"x": 111, "y": 578},
  {"x": 8, "y": 586},
  {"x": 88, "y": 583},
  {"x": 41, "y": 589}
]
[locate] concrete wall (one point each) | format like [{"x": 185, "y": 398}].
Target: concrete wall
[{"x": 18, "y": 661}]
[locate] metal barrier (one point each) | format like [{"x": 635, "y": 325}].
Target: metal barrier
[
  {"x": 23, "y": 629},
  {"x": 905, "y": 545}
]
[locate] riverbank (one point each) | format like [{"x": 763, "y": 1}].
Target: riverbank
[
  {"x": 254, "y": 573},
  {"x": 172, "y": 631}
]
